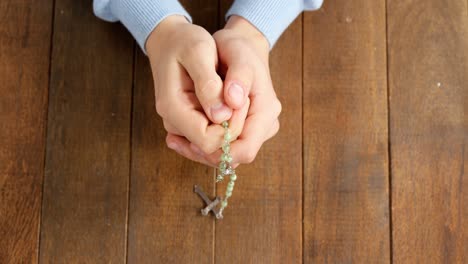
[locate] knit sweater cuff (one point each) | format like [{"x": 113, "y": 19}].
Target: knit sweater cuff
[
  {"x": 270, "y": 17},
  {"x": 141, "y": 17}
]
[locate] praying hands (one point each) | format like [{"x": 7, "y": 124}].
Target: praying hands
[
  {"x": 189, "y": 66},
  {"x": 201, "y": 80}
]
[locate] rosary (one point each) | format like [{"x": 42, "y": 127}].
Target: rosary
[{"x": 225, "y": 169}]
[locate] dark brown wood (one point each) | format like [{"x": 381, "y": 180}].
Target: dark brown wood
[
  {"x": 428, "y": 81},
  {"x": 346, "y": 165},
  {"x": 263, "y": 223},
  {"x": 346, "y": 197},
  {"x": 165, "y": 223},
  {"x": 25, "y": 35},
  {"x": 88, "y": 142}
]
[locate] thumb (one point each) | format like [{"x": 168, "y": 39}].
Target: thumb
[
  {"x": 208, "y": 85},
  {"x": 237, "y": 85}
]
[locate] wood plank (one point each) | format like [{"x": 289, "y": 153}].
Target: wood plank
[
  {"x": 346, "y": 197},
  {"x": 263, "y": 223},
  {"x": 165, "y": 224},
  {"x": 88, "y": 142},
  {"x": 25, "y": 35},
  {"x": 428, "y": 78}
]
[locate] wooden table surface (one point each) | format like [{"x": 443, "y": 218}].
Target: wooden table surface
[{"x": 369, "y": 165}]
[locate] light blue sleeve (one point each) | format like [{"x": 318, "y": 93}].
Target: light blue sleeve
[
  {"x": 140, "y": 17},
  {"x": 271, "y": 17}
]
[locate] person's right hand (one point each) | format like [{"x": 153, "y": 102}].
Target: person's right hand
[
  {"x": 243, "y": 53},
  {"x": 188, "y": 91}
]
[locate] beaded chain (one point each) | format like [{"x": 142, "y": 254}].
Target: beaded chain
[{"x": 225, "y": 168}]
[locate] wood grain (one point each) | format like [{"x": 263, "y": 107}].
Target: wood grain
[
  {"x": 346, "y": 197},
  {"x": 165, "y": 224},
  {"x": 263, "y": 221},
  {"x": 25, "y": 35},
  {"x": 428, "y": 81},
  {"x": 92, "y": 141},
  {"x": 88, "y": 142}
]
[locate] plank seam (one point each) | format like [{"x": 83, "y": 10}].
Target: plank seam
[
  {"x": 46, "y": 125},
  {"x": 302, "y": 139},
  {"x": 130, "y": 142},
  {"x": 389, "y": 145}
]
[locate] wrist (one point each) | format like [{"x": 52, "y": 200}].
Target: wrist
[
  {"x": 248, "y": 30},
  {"x": 163, "y": 30}
]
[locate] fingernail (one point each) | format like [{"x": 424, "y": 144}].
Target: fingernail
[
  {"x": 173, "y": 146},
  {"x": 236, "y": 92},
  {"x": 220, "y": 112}
]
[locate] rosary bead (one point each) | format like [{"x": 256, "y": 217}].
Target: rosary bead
[
  {"x": 226, "y": 148},
  {"x": 224, "y": 204},
  {"x": 225, "y": 165},
  {"x": 227, "y": 136},
  {"x": 233, "y": 177},
  {"x": 226, "y": 157},
  {"x": 222, "y": 166},
  {"x": 219, "y": 178}
]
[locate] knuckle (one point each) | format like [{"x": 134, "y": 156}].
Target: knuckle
[
  {"x": 168, "y": 140},
  {"x": 277, "y": 129},
  {"x": 161, "y": 108},
  {"x": 167, "y": 144},
  {"x": 277, "y": 107}
]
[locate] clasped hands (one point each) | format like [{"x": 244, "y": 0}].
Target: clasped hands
[{"x": 188, "y": 64}]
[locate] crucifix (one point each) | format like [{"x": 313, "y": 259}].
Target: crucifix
[
  {"x": 210, "y": 205},
  {"x": 225, "y": 169}
]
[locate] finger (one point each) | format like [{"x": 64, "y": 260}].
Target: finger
[
  {"x": 182, "y": 147},
  {"x": 200, "y": 63},
  {"x": 238, "y": 82},
  {"x": 259, "y": 127},
  {"x": 236, "y": 124},
  {"x": 191, "y": 123},
  {"x": 195, "y": 127}
]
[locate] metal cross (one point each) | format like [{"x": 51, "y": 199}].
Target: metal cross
[{"x": 211, "y": 205}]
